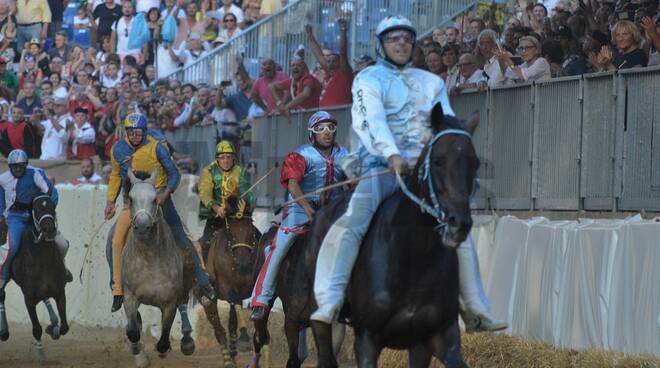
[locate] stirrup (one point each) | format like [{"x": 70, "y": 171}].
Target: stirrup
[{"x": 258, "y": 313}]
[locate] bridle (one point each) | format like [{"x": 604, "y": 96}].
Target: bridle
[
  {"x": 151, "y": 214},
  {"x": 38, "y": 235},
  {"x": 435, "y": 209},
  {"x": 232, "y": 244}
]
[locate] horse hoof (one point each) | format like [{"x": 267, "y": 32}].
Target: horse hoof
[
  {"x": 187, "y": 345},
  {"x": 64, "y": 329},
  {"x": 53, "y": 331},
  {"x": 41, "y": 355},
  {"x": 163, "y": 349},
  {"x": 4, "y": 336},
  {"x": 141, "y": 360}
]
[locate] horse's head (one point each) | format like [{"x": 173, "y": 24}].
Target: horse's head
[
  {"x": 43, "y": 215},
  {"x": 241, "y": 241},
  {"x": 142, "y": 197},
  {"x": 448, "y": 174}
]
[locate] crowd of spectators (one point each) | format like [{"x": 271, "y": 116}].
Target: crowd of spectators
[
  {"x": 536, "y": 41},
  {"x": 64, "y": 92}
]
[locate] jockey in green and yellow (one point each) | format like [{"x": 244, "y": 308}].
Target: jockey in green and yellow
[{"x": 220, "y": 180}]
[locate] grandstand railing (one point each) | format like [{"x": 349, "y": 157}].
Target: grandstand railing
[
  {"x": 578, "y": 143},
  {"x": 279, "y": 35}
]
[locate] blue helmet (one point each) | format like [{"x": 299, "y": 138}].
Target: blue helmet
[
  {"x": 17, "y": 156},
  {"x": 135, "y": 121}
]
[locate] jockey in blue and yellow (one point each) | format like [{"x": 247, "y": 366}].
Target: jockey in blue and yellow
[
  {"x": 220, "y": 180},
  {"x": 140, "y": 152},
  {"x": 18, "y": 187},
  {"x": 307, "y": 169}
]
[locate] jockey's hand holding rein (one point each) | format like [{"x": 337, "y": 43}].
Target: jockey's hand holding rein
[
  {"x": 296, "y": 192},
  {"x": 397, "y": 164},
  {"x": 109, "y": 210},
  {"x": 220, "y": 211}
]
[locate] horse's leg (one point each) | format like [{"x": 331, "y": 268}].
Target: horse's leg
[
  {"x": 233, "y": 326},
  {"x": 367, "y": 349},
  {"x": 260, "y": 339},
  {"x": 133, "y": 331},
  {"x": 4, "y": 327},
  {"x": 167, "y": 319},
  {"x": 446, "y": 346},
  {"x": 243, "y": 343},
  {"x": 303, "y": 353},
  {"x": 212, "y": 316},
  {"x": 419, "y": 357},
  {"x": 61, "y": 310},
  {"x": 36, "y": 328},
  {"x": 187, "y": 342},
  {"x": 293, "y": 336},
  {"x": 323, "y": 339},
  {"x": 338, "y": 333},
  {"x": 54, "y": 328}
]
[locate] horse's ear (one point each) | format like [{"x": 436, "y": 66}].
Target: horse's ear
[
  {"x": 438, "y": 122},
  {"x": 152, "y": 178},
  {"x": 472, "y": 122},
  {"x": 131, "y": 176}
]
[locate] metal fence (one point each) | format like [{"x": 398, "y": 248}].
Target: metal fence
[
  {"x": 582, "y": 143},
  {"x": 278, "y": 36}
]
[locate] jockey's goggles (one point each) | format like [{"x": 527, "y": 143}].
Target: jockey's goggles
[
  {"x": 399, "y": 35},
  {"x": 134, "y": 132},
  {"x": 321, "y": 128}
]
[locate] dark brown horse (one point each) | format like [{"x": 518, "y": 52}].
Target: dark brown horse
[
  {"x": 235, "y": 259},
  {"x": 403, "y": 292},
  {"x": 38, "y": 269}
]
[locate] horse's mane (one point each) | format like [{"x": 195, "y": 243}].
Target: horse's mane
[{"x": 142, "y": 175}]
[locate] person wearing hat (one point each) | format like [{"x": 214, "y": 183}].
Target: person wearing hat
[
  {"x": 8, "y": 78},
  {"x": 140, "y": 152},
  {"x": 391, "y": 117},
  {"x": 82, "y": 135},
  {"x": 310, "y": 167},
  {"x": 220, "y": 180},
  {"x": 33, "y": 18},
  {"x": 18, "y": 186}
]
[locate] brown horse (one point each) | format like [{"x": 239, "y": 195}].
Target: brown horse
[{"x": 234, "y": 261}]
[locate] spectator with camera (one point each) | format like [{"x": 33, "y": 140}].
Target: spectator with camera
[
  {"x": 54, "y": 135},
  {"x": 82, "y": 135}
]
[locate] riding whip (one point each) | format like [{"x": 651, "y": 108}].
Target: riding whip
[
  {"x": 333, "y": 186},
  {"x": 89, "y": 248},
  {"x": 260, "y": 180}
]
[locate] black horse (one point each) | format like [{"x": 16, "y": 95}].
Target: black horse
[
  {"x": 403, "y": 292},
  {"x": 38, "y": 268}
]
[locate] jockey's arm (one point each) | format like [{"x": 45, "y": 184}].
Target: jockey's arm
[
  {"x": 205, "y": 188},
  {"x": 46, "y": 187},
  {"x": 369, "y": 118},
  {"x": 114, "y": 181},
  {"x": 3, "y": 203},
  {"x": 173, "y": 176},
  {"x": 296, "y": 192},
  {"x": 442, "y": 97}
]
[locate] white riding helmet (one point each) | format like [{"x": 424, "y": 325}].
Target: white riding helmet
[{"x": 391, "y": 23}]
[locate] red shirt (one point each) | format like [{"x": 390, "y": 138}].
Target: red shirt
[
  {"x": 260, "y": 87},
  {"x": 307, "y": 80},
  {"x": 73, "y": 105},
  {"x": 16, "y": 133},
  {"x": 337, "y": 89}
]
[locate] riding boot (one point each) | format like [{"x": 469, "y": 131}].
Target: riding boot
[
  {"x": 258, "y": 313},
  {"x": 476, "y": 314},
  {"x": 63, "y": 246},
  {"x": 117, "y": 301}
]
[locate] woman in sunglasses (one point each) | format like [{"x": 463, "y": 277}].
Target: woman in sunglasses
[{"x": 533, "y": 68}]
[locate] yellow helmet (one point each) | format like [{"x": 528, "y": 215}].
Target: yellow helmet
[{"x": 224, "y": 147}]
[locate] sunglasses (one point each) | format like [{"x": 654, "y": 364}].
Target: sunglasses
[
  {"x": 525, "y": 48},
  {"x": 134, "y": 132},
  {"x": 321, "y": 128},
  {"x": 229, "y": 20}
]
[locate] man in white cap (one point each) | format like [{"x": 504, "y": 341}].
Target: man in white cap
[{"x": 193, "y": 50}]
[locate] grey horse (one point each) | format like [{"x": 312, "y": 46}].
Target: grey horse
[{"x": 152, "y": 268}]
